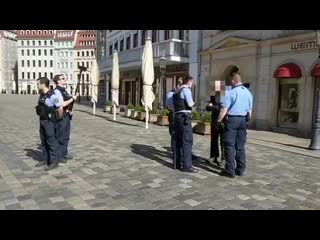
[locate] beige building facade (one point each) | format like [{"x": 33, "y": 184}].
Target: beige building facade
[{"x": 280, "y": 66}]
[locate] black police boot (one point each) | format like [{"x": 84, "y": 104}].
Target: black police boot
[
  {"x": 40, "y": 163},
  {"x": 190, "y": 170},
  {"x": 215, "y": 160},
  {"x": 68, "y": 157},
  {"x": 52, "y": 166},
  {"x": 224, "y": 173},
  {"x": 63, "y": 160}
]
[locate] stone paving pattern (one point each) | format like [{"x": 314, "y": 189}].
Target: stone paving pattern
[{"x": 121, "y": 165}]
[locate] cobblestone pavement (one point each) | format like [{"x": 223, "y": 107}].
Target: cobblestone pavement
[{"x": 124, "y": 166}]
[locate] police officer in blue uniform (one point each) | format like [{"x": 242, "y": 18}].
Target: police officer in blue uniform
[
  {"x": 49, "y": 110},
  {"x": 183, "y": 103},
  {"x": 238, "y": 106},
  {"x": 169, "y": 104},
  {"x": 63, "y": 134}
]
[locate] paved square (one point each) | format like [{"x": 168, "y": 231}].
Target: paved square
[{"x": 121, "y": 165}]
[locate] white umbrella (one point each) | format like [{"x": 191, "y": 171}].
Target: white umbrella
[
  {"x": 95, "y": 78},
  {"x": 115, "y": 83},
  {"x": 148, "y": 78}
]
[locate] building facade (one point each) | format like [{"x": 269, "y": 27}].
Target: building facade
[
  {"x": 84, "y": 54},
  {"x": 8, "y": 61},
  {"x": 281, "y": 68},
  {"x": 179, "y": 47},
  {"x": 35, "y": 58},
  {"x": 63, "y": 57},
  {"x": 101, "y": 54}
]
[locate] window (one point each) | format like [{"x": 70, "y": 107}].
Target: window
[
  {"x": 110, "y": 50},
  {"x": 135, "y": 40},
  {"x": 39, "y": 52},
  {"x": 70, "y": 77},
  {"x": 128, "y": 42},
  {"x": 45, "y": 63},
  {"x": 82, "y": 64},
  {"x": 116, "y": 46},
  {"x": 45, "y": 74},
  {"x": 45, "y": 42},
  {"x": 28, "y": 52},
  {"x": 67, "y": 65},
  {"x": 39, "y": 63},
  {"x": 78, "y": 64},
  {"x": 92, "y": 53},
  {"x": 87, "y": 77},
  {"x": 28, "y": 63},
  {"x": 23, "y": 75},
  {"x": 33, "y": 63},
  {"x": 58, "y": 65},
  {"x": 39, "y": 75},
  {"x": 78, "y": 54},
  {"x": 45, "y": 52},
  {"x": 22, "y": 43},
  {"x": 51, "y": 63},
  {"x": 87, "y": 53},
  {"x": 181, "y": 34},
  {"x": 22, "y": 52},
  {"x": 39, "y": 42},
  {"x": 166, "y": 34},
  {"x": 34, "y": 75},
  {"x": 62, "y": 65},
  {"x": 22, "y": 63},
  {"x": 71, "y": 65},
  {"x": 33, "y": 43},
  {"x": 51, "y": 75},
  {"x": 143, "y": 37},
  {"x": 87, "y": 64},
  {"x": 121, "y": 45},
  {"x": 71, "y": 54},
  {"x": 28, "y": 43},
  {"x": 82, "y": 53},
  {"x": 28, "y": 75},
  {"x": 154, "y": 36},
  {"x": 51, "y": 52},
  {"x": 51, "y": 42}
]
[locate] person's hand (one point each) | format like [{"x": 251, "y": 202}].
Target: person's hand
[
  {"x": 74, "y": 97},
  {"x": 70, "y": 113},
  {"x": 210, "y": 104}
]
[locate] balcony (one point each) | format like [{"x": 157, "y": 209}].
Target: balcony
[{"x": 176, "y": 51}]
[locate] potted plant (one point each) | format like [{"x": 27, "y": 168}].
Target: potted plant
[
  {"x": 142, "y": 114},
  {"x": 205, "y": 124},
  {"x": 163, "y": 118},
  {"x": 195, "y": 120},
  {"x": 108, "y": 105},
  {"x": 153, "y": 115},
  {"x": 135, "y": 111},
  {"x": 129, "y": 109}
]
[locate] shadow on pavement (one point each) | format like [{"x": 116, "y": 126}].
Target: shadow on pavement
[
  {"x": 34, "y": 154},
  {"x": 154, "y": 154},
  {"x": 109, "y": 119}
]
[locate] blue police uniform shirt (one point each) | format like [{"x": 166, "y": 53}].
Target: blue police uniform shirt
[
  {"x": 238, "y": 101},
  {"x": 187, "y": 95},
  {"x": 169, "y": 101},
  {"x": 54, "y": 101}
]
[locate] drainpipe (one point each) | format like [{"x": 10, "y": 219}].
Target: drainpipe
[{"x": 200, "y": 34}]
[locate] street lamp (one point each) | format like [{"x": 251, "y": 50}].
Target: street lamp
[
  {"x": 315, "y": 134},
  {"x": 82, "y": 69},
  {"x": 163, "y": 63}
]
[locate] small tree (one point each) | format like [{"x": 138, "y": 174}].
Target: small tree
[
  {"x": 154, "y": 111},
  {"x": 130, "y": 106},
  {"x": 137, "y": 108},
  {"x": 206, "y": 118},
  {"x": 195, "y": 116},
  {"x": 164, "y": 112},
  {"x": 108, "y": 103}
]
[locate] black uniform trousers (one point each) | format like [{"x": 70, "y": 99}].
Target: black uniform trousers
[
  {"x": 49, "y": 143},
  {"x": 216, "y": 134},
  {"x": 235, "y": 134},
  {"x": 184, "y": 139},
  {"x": 63, "y": 135}
]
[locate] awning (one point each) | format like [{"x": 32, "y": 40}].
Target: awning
[
  {"x": 316, "y": 70},
  {"x": 289, "y": 70}
]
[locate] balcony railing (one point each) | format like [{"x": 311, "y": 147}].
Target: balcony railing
[{"x": 169, "y": 48}]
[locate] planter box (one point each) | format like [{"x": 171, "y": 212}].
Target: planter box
[
  {"x": 153, "y": 118},
  {"x": 134, "y": 114},
  {"x": 107, "y": 108},
  {"x": 195, "y": 125},
  {"x": 141, "y": 116},
  {"x": 163, "y": 120},
  {"x": 118, "y": 110},
  {"x": 128, "y": 112},
  {"x": 204, "y": 128}
]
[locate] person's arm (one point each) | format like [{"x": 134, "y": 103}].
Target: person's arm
[
  {"x": 225, "y": 106},
  {"x": 250, "y": 105},
  {"x": 68, "y": 102},
  {"x": 169, "y": 101},
  {"x": 188, "y": 96},
  {"x": 58, "y": 103}
]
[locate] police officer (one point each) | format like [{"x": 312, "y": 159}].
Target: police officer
[
  {"x": 183, "y": 103},
  {"x": 216, "y": 132},
  {"x": 169, "y": 104},
  {"x": 63, "y": 134},
  {"x": 238, "y": 107},
  {"x": 49, "y": 110}
]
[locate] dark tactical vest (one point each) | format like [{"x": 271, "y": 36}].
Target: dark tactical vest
[
  {"x": 64, "y": 94},
  {"x": 42, "y": 110},
  {"x": 180, "y": 103}
]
